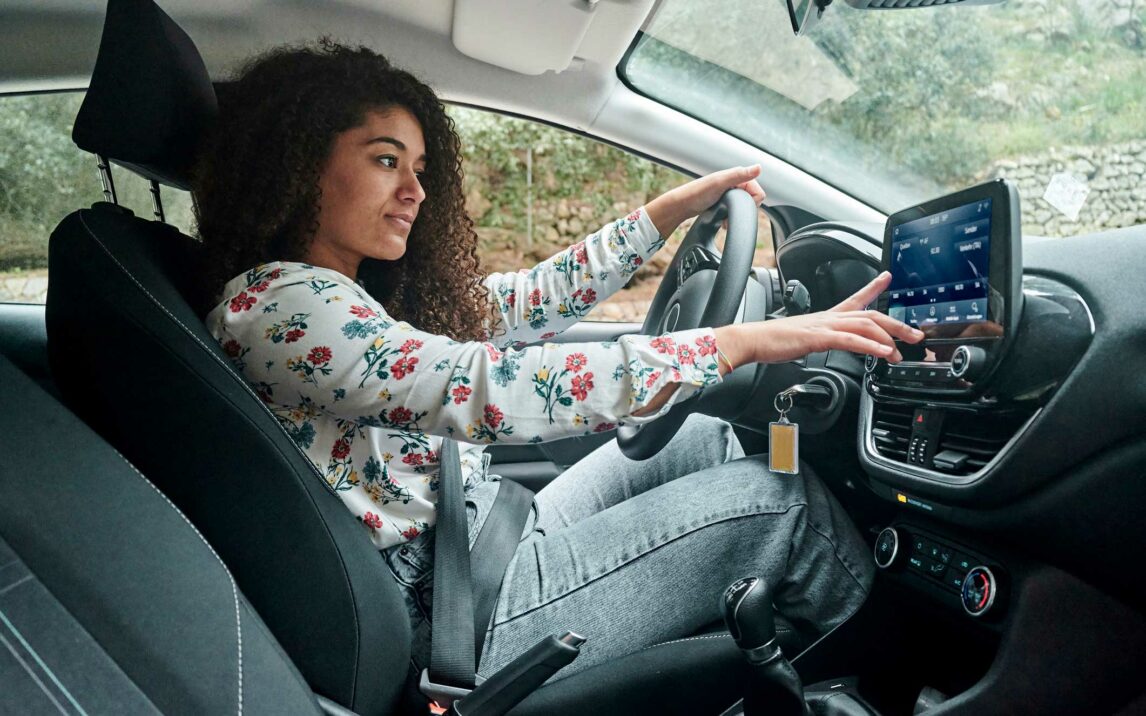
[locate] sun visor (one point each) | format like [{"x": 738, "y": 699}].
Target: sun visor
[{"x": 526, "y": 36}]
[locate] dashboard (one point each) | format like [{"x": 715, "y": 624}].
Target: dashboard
[{"x": 1032, "y": 429}]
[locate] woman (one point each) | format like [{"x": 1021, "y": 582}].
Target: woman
[{"x": 346, "y": 288}]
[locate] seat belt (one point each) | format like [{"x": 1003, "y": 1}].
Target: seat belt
[
  {"x": 492, "y": 552},
  {"x": 466, "y": 584}
]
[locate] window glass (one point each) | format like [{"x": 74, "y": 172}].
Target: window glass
[
  {"x": 43, "y": 178},
  {"x": 895, "y": 107},
  {"x": 533, "y": 190}
]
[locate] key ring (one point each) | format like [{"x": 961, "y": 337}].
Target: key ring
[{"x": 783, "y": 398}]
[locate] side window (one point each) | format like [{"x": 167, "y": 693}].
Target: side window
[
  {"x": 533, "y": 190},
  {"x": 43, "y": 178}
]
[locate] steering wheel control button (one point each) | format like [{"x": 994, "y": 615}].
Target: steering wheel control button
[
  {"x": 886, "y": 547},
  {"x": 978, "y": 591}
]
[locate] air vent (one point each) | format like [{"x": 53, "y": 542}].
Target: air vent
[
  {"x": 891, "y": 430},
  {"x": 978, "y": 437}
]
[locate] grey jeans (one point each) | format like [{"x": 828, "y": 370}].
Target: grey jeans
[{"x": 632, "y": 554}]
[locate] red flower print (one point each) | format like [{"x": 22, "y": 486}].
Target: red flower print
[
  {"x": 293, "y": 335},
  {"x": 400, "y": 416},
  {"x": 547, "y": 336},
  {"x": 461, "y": 394},
  {"x": 403, "y": 367},
  {"x": 663, "y": 344},
  {"x": 363, "y": 311},
  {"x": 493, "y": 416},
  {"x": 652, "y": 378},
  {"x": 259, "y": 287},
  {"x": 411, "y": 345},
  {"x": 685, "y": 355},
  {"x": 413, "y": 458},
  {"x": 635, "y": 216},
  {"x": 706, "y": 345},
  {"x": 581, "y": 386},
  {"x": 494, "y": 354},
  {"x": 275, "y": 274},
  {"x": 341, "y": 450},
  {"x": 511, "y": 298},
  {"x": 372, "y": 520},
  {"x": 604, "y": 427},
  {"x": 675, "y": 375},
  {"x": 431, "y": 456},
  {"x": 637, "y": 261},
  {"x": 580, "y": 253},
  {"x": 576, "y": 362},
  {"x": 535, "y": 297},
  {"x": 589, "y": 296},
  {"x": 410, "y": 532},
  {"x": 319, "y": 355},
  {"x": 242, "y": 302},
  {"x": 232, "y": 348}
]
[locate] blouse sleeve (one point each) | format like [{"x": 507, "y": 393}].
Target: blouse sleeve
[
  {"x": 302, "y": 339},
  {"x": 540, "y": 303}
]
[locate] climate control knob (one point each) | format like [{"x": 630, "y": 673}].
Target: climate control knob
[
  {"x": 967, "y": 362},
  {"x": 886, "y": 547},
  {"x": 979, "y": 591}
]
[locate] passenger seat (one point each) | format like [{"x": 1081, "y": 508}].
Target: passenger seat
[{"x": 110, "y": 600}]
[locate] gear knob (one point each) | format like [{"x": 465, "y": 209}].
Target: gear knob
[{"x": 747, "y": 607}]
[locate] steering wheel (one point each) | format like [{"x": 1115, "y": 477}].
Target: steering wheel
[{"x": 702, "y": 287}]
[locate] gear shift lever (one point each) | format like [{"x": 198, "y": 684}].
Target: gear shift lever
[{"x": 775, "y": 687}]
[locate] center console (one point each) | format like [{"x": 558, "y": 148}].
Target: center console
[{"x": 936, "y": 426}]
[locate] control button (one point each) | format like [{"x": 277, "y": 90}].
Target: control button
[
  {"x": 917, "y": 563},
  {"x": 936, "y": 569},
  {"x": 978, "y": 591},
  {"x": 920, "y": 547},
  {"x": 959, "y": 361},
  {"x": 968, "y": 361},
  {"x": 933, "y": 552},
  {"x": 954, "y": 579},
  {"x": 886, "y": 547},
  {"x": 944, "y": 554},
  {"x": 961, "y": 562}
]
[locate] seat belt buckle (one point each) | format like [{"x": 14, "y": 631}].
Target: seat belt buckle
[{"x": 441, "y": 696}]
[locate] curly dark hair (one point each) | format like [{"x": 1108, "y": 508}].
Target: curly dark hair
[{"x": 256, "y": 184}]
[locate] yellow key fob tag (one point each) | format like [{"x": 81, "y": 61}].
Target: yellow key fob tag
[{"x": 784, "y": 447}]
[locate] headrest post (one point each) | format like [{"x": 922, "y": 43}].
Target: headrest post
[
  {"x": 105, "y": 180},
  {"x": 156, "y": 202}
]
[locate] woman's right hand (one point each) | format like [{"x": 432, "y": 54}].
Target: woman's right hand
[{"x": 847, "y": 326}]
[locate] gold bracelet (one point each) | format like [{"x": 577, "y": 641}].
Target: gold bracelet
[{"x": 721, "y": 356}]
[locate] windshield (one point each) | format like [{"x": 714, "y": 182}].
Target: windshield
[{"x": 896, "y": 107}]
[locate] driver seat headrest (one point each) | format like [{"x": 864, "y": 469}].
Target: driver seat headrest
[{"x": 150, "y": 101}]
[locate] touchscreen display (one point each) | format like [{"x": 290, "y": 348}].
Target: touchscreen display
[{"x": 939, "y": 267}]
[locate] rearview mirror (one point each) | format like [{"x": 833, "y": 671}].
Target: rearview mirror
[
  {"x": 804, "y": 14},
  {"x": 909, "y": 4}
]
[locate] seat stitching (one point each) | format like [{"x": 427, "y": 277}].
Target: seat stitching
[
  {"x": 696, "y": 638},
  {"x": 28, "y": 669},
  {"x": 231, "y": 579},
  {"x": 243, "y": 385}
]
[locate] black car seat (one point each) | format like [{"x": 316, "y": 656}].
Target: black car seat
[
  {"x": 110, "y": 601},
  {"x": 131, "y": 357}
]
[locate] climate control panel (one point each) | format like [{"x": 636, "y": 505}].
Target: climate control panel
[{"x": 953, "y": 569}]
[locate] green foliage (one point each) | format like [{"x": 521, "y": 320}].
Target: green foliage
[
  {"x": 564, "y": 166},
  {"x": 44, "y": 177}
]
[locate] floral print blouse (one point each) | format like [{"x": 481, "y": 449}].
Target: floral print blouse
[{"x": 369, "y": 398}]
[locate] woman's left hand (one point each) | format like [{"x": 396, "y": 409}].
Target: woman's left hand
[{"x": 668, "y": 210}]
